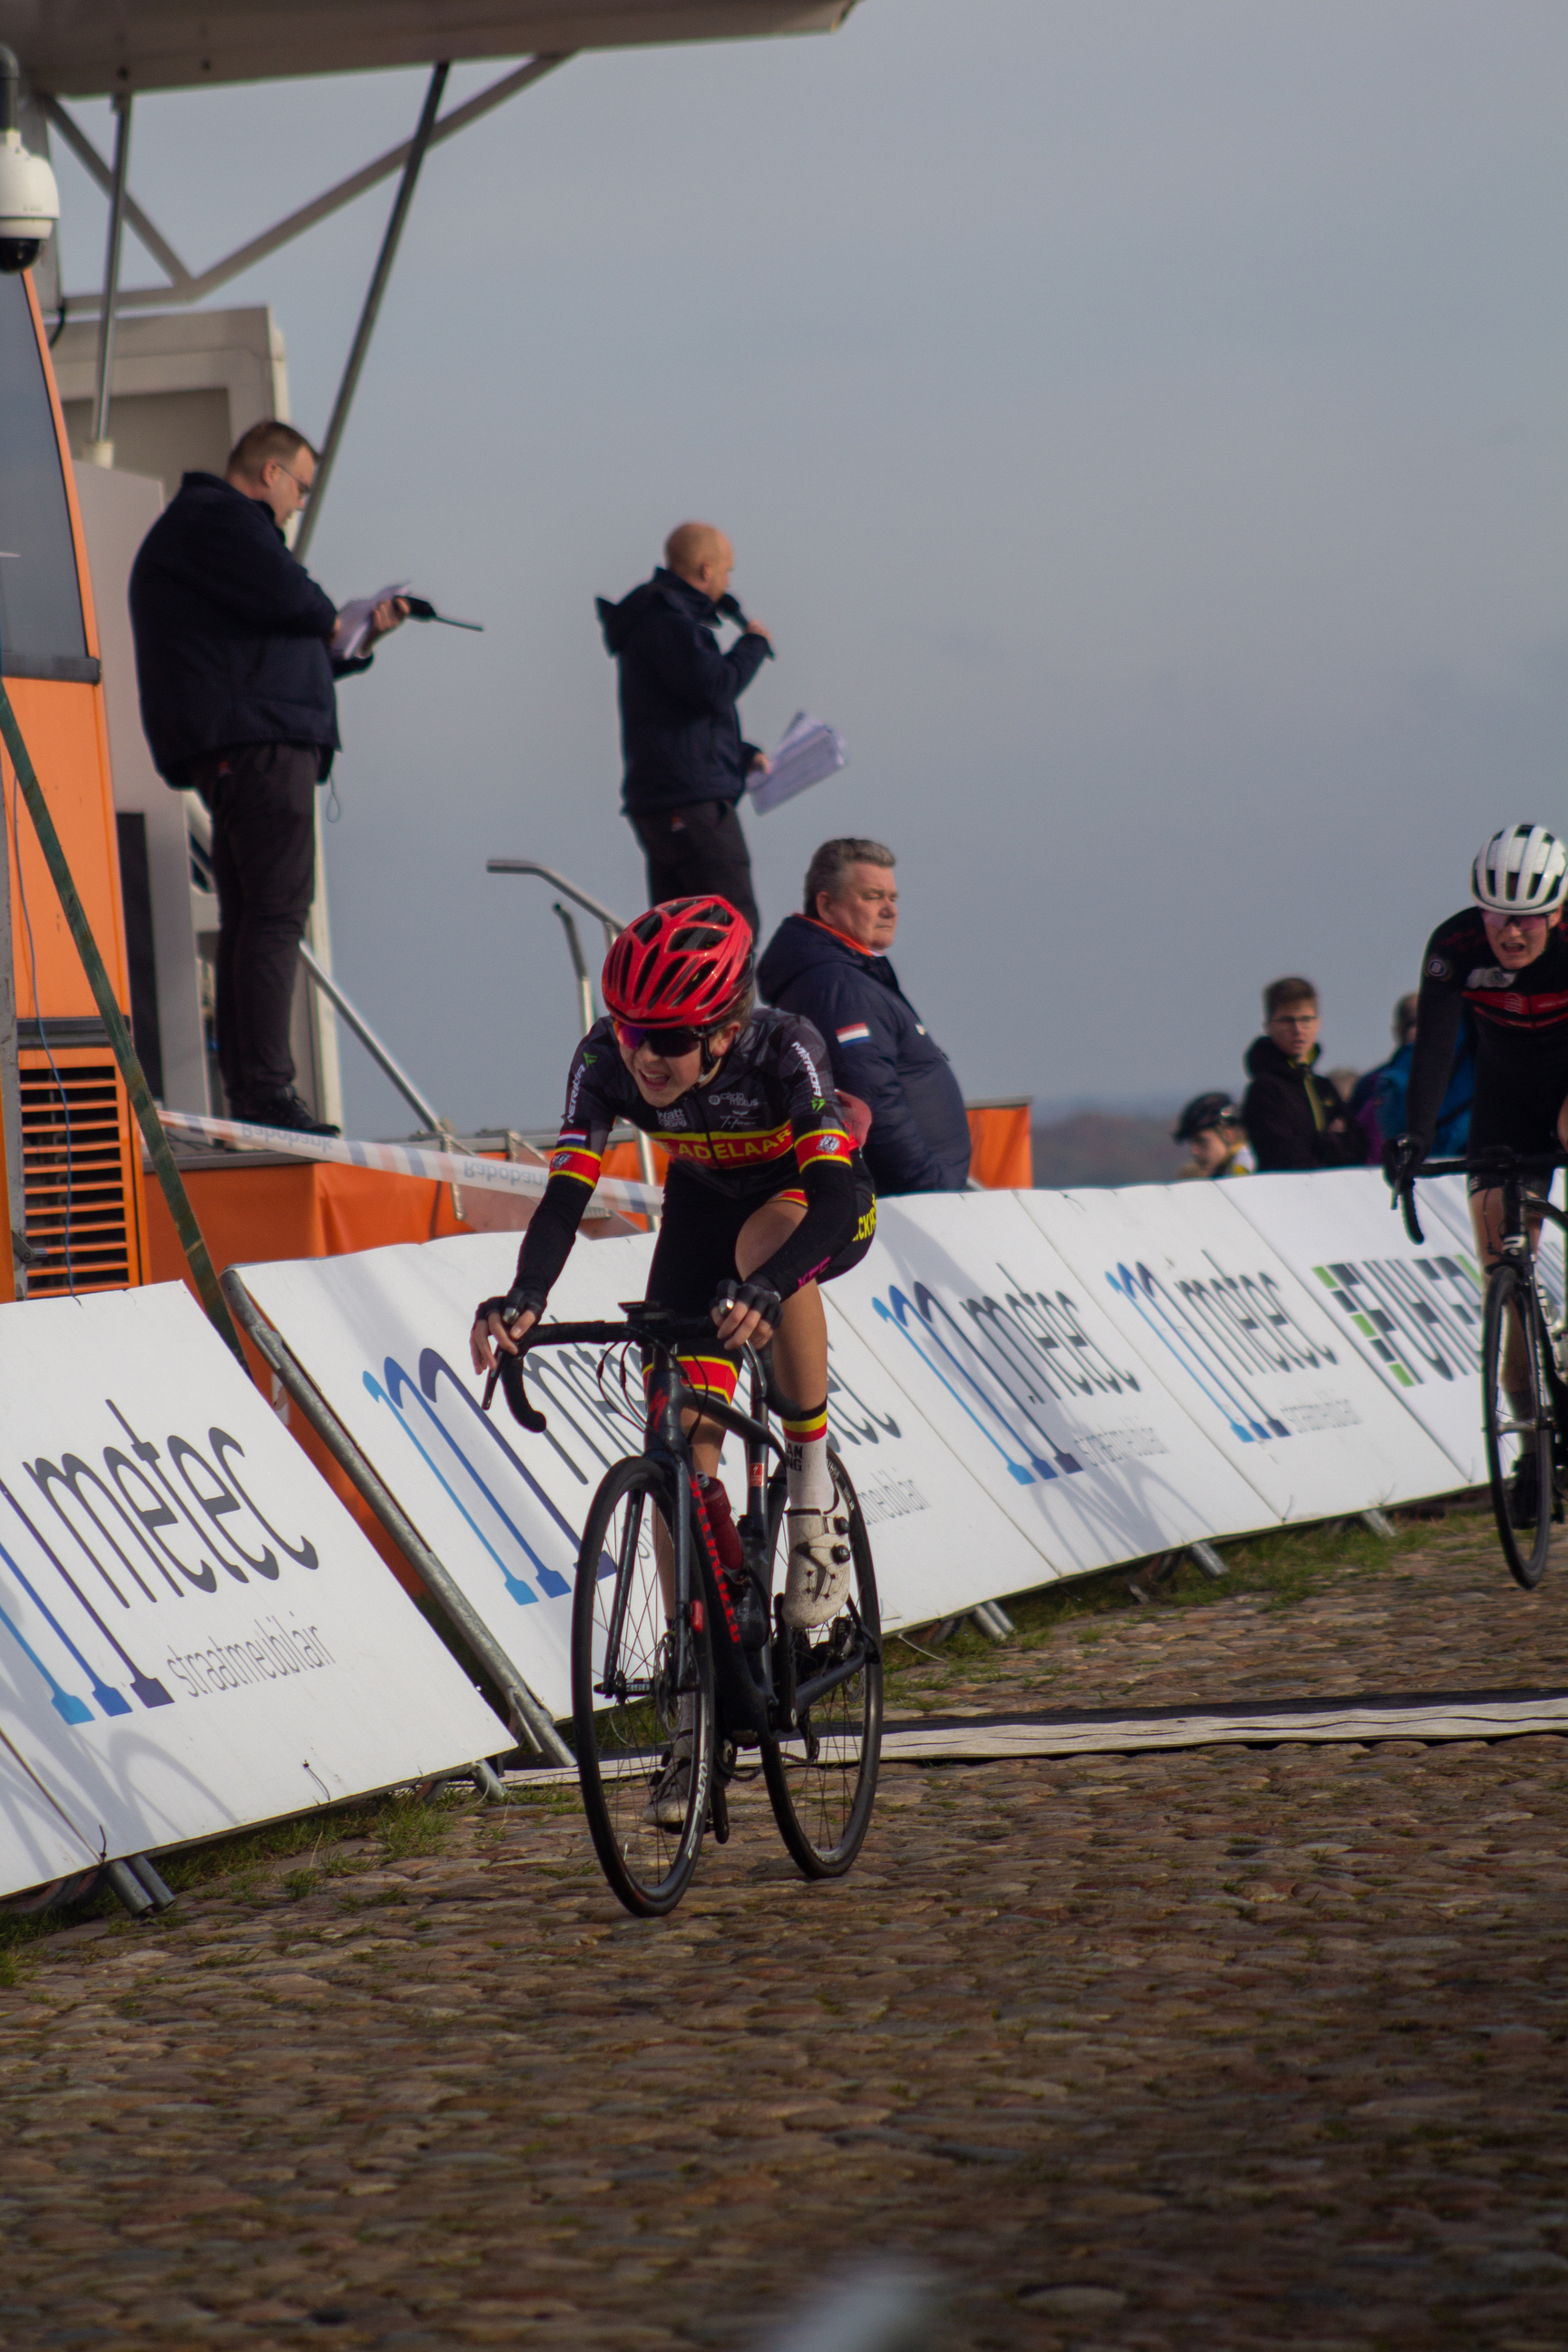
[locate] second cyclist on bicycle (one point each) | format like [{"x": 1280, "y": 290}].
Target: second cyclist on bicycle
[{"x": 1506, "y": 957}]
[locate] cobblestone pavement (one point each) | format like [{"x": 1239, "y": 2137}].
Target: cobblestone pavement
[{"x": 1217, "y": 2049}]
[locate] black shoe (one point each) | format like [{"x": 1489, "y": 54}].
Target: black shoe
[
  {"x": 1524, "y": 1495},
  {"x": 286, "y": 1111}
]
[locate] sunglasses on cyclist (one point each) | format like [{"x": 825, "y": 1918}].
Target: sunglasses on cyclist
[{"x": 669, "y": 1042}]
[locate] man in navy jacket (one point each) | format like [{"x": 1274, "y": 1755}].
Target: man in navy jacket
[
  {"x": 236, "y": 670},
  {"x": 686, "y": 765},
  {"x": 830, "y": 965}
]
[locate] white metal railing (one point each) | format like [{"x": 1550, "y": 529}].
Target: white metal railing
[{"x": 613, "y": 927}]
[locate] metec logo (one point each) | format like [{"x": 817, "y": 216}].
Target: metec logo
[{"x": 1436, "y": 967}]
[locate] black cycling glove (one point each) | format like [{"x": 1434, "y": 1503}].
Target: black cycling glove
[
  {"x": 757, "y": 1296},
  {"x": 515, "y": 1303},
  {"x": 1403, "y": 1157}
]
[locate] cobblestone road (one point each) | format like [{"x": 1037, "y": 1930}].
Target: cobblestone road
[{"x": 1208, "y": 2050}]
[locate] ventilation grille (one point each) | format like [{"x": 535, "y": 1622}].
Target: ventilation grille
[{"x": 74, "y": 1175}]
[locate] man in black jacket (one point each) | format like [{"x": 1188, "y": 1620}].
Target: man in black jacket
[
  {"x": 236, "y": 670},
  {"x": 686, "y": 765},
  {"x": 830, "y": 965},
  {"x": 1293, "y": 1118}
]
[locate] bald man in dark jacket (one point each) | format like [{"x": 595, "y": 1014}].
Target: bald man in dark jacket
[{"x": 686, "y": 764}]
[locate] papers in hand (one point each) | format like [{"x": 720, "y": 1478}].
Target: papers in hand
[
  {"x": 808, "y": 749},
  {"x": 356, "y": 620}
]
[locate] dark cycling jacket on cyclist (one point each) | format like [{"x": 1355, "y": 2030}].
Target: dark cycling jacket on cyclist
[
  {"x": 767, "y": 1121},
  {"x": 1520, "y": 1025}
]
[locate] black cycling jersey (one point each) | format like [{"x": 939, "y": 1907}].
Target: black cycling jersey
[
  {"x": 1521, "y": 1035},
  {"x": 765, "y": 1121}
]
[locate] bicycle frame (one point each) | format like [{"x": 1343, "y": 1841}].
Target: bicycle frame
[
  {"x": 758, "y": 1700},
  {"x": 1511, "y": 1173}
]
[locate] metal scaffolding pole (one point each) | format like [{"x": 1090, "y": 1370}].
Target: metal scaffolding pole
[
  {"x": 100, "y": 448},
  {"x": 369, "y": 315}
]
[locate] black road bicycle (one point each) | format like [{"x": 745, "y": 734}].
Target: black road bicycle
[
  {"x": 1514, "y": 1304},
  {"x": 808, "y": 1704}
]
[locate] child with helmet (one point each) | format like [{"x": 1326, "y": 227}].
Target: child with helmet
[{"x": 766, "y": 1197}]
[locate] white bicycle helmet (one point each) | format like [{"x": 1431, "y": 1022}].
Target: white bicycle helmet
[{"x": 1522, "y": 870}]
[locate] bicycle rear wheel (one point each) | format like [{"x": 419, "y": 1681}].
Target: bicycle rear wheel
[
  {"x": 821, "y": 1780},
  {"x": 625, "y": 1706},
  {"x": 1523, "y": 1519}
]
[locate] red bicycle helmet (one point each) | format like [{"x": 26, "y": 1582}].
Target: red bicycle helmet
[{"x": 686, "y": 962}]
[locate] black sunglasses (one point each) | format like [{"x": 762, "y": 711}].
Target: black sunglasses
[{"x": 669, "y": 1042}]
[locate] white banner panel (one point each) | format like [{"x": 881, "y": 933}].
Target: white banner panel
[
  {"x": 1019, "y": 1364},
  {"x": 384, "y": 1335},
  {"x": 1415, "y": 1314},
  {"x": 194, "y": 1633},
  {"x": 1252, "y": 1356}
]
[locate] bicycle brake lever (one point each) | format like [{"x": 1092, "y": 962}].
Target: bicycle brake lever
[
  {"x": 508, "y": 1372},
  {"x": 1407, "y": 1210}
]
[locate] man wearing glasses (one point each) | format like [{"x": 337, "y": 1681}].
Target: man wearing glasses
[{"x": 237, "y": 673}]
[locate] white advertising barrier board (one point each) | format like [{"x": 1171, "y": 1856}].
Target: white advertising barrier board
[
  {"x": 1018, "y": 1361},
  {"x": 384, "y": 1335},
  {"x": 194, "y": 1633},
  {"x": 1415, "y": 1313},
  {"x": 1251, "y": 1355}
]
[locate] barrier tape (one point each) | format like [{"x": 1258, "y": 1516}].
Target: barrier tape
[{"x": 466, "y": 1170}]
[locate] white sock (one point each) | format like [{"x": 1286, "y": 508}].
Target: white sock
[{"x": 808, "y": 1479}]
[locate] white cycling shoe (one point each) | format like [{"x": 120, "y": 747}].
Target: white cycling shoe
[
  {"x": 820, "y": 1568},
  {"x": 665, "y": 1808}
]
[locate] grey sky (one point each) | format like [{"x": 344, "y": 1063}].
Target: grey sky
[{"x": 1140, "y": 424}]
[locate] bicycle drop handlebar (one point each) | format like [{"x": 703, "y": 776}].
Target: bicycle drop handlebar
[
  {"x": 651, "y": 1326},
  {"x": 1496, "y": 1159}
]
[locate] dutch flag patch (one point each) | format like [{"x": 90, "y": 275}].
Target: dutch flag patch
[{"x": 858, "y": 1034}]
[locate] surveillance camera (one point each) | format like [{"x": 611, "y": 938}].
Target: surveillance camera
[{"x": 29, "y": 201}]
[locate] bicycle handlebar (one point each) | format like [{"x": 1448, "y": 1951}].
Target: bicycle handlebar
[
  {"x": 653, "y": 1325},
  {"x": 1495, "y": 1160}
]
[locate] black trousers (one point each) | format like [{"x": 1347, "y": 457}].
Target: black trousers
[
  {"x": 262, "y": 800},
  {"x": 697, "y": 851}
]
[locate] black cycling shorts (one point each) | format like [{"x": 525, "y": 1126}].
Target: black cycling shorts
[
  {"x": 1518, "y": 1112},
  {"x": 695, "y": 1253}
]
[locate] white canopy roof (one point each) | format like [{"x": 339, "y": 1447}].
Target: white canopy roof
[{"x": 89, "y": 49}]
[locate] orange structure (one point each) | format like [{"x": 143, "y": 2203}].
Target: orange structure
[{"x": 81, "y": 1162}]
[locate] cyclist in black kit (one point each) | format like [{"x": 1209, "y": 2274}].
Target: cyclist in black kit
[
  {"x": 1507, "y": 958},
  {"x": 766, "y": 1198}
]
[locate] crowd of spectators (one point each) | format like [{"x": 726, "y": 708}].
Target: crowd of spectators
[
  {"x": 238, "y": 660},
  {"x": 1296, "y": 1115}
]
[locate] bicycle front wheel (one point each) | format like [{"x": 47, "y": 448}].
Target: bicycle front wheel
[
  {"x": 822, "y": 1778},
  {"x": 633, "y": 1720},
  {"x": 1518, "y": 1423}
]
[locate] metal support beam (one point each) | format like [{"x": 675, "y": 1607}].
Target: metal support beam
[
  {"x": 136, "y": 220},
  {"x": 381, "y": 1056},
  {"x": 1208, "y": 1559},
  {"x": 1378, "y": 1525},
  {"x": 187, "y": 287},
  {"x": 443, "y": 1585},
  {"x": 100, "y": 448},
  {"x": 574, "y": 950},
  {"x": 372, "y": 311}
]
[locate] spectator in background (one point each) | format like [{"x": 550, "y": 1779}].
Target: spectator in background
[
  {"x": 1378, "y": 1101},
  {"x": 1294, "y": 1118},
  {"x": 1211, "y": 1127},
  {"x": 235, "y": 665},
  {"x": 830, "y": 964},
  {"x": 686, "y": 765}
]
